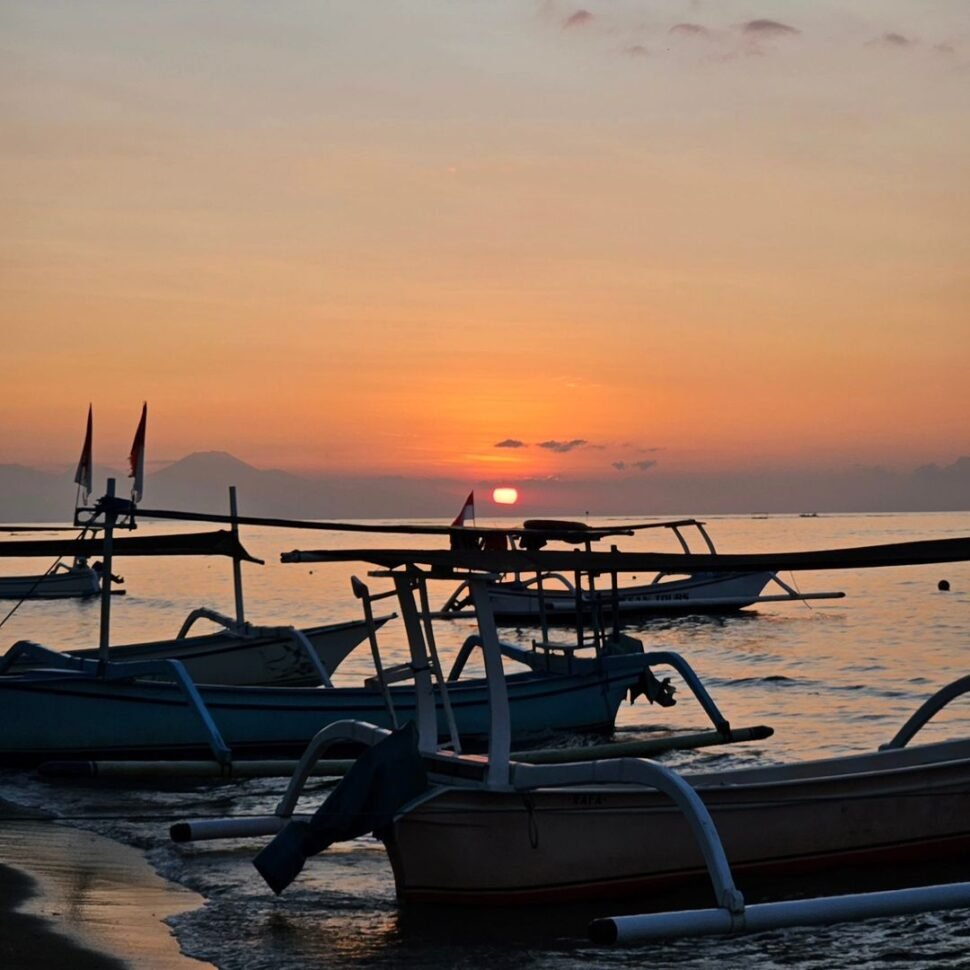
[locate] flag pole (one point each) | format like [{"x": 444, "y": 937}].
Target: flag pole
[{"x": 109, "y": 531}]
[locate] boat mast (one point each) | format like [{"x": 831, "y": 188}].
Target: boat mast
[
  {"x": 236, "y": 561},
  {"x": 110, "y": 516}
]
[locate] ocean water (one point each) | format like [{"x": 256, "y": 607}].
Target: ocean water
[{"x": 831, "y": 677}]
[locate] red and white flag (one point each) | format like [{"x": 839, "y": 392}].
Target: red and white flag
[
  {"x": 85, "y": 469},
  {"x": 136, "y": 460},
  {"x": 467, "y": 511}
]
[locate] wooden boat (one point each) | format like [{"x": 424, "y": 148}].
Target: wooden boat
[
  {"x": 555, "y": 598},
  {"x": 590, "y": 840},
  {"x": 504, "y": 832},
  {"x": 74, "y": 581},
  {"x": 247, "y": 655},
  {"x": 128, "y": 713}
]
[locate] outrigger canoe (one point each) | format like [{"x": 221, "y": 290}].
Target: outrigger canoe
[
  {"x": 553, "y": 597},
  {"x": 498, "y": 831},
  {"x": 76, "y": 581},
  {"x": 245, "y": 655},
  {"x": 49, "y": 714}
]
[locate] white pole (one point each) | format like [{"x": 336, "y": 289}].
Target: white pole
[
  {"x": 499, "y": 724},
  {"x": 772, "y": 916},
  {"x": 426, "y": 715}
]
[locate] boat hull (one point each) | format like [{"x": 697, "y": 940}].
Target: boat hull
[
  {"x": 275, "y": 659},
  {"x": 46, "y": 718},
  {"x": 693, "y": 595},
  {"x": 505, "y": 848},
  {"x": 73, "y": 583}
]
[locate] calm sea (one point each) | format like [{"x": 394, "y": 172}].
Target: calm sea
[{"x": 830, "y": 677}]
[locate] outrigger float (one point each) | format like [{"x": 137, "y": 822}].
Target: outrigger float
[{"x": 491, "y": 830}]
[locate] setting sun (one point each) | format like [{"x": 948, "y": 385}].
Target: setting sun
[{"x": 505, "y": 496}]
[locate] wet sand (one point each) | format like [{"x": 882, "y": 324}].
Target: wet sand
[
  {"x": 29, "y": 941},
  {"x": 69, "y": 898}
]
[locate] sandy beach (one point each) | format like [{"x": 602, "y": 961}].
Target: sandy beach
[{"x": 73, "y": 898}]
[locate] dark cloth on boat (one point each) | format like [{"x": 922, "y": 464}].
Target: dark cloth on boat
[{"x": 385, "y": 777}]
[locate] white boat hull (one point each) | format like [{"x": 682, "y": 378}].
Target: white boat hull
[
  {"x": 273, "y": 659},
  {"x": 694, "y": 594},
  {"x": 67, "y": 583}
]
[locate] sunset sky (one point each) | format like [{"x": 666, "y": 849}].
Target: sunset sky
[{"x": 488, "y": 240}]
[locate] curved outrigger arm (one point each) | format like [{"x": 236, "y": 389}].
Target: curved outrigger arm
[
  {"x": 58, "y": 666},
  {"x": 927, "y": 710},
  {"x": 650, "y": 774}
]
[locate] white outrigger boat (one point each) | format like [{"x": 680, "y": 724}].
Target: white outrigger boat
[
  {"x": 496, "y": 830},
  {"x": 555, "y": 597},
  {"x": 242, "y": 654},
  {"x": 75, "y": 581}
]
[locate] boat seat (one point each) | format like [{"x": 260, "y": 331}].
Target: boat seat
[
  {"x": 565, "y": 647},
  {"x": 465, "y": 767},
  {"x": 392, "y": 675}
]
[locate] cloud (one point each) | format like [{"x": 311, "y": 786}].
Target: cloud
[
  {"x": 896, "y": 40},
  {"x": 768, "y": 28},
  {"x": 944, "y": 49},
  {"x": 640, "y": 466},
  {"x": 690, "y": 30},
  {"x": 579, "y": 19},
  {"x": 561, "y": 447},
  {"x": 510, "y": 443}
]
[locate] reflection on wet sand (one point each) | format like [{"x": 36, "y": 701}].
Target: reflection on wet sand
[{"x": 97, "y": 892}]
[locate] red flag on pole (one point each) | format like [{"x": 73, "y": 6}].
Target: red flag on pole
[
  {"x": 85, "y": 469},
  {"x": 136, "y": 460},
  {"x": 467, "y": 511}
]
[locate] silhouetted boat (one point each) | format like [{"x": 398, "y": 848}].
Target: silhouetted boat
[
  {"x": 76, "y": 581},
  {"x": 556, "y": 598}
]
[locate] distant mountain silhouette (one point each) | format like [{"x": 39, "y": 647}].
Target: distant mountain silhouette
[
  {"x": 30, "y": 495},
  {"x": 200, "y": 481}
]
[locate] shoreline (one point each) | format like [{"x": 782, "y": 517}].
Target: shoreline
[
  {"x": 71, "y": 898},
  {"x": 33, "y": 941}
]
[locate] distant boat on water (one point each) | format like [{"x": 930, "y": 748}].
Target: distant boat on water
[
  {"x": 552, "y": 597},
  {"x": 64, "y": 581}
]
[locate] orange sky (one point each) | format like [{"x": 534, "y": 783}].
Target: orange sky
[{"x": 384, "y": 238}]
